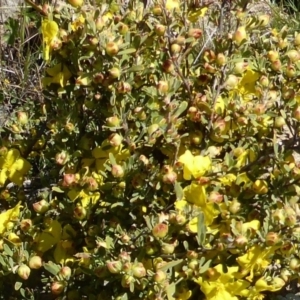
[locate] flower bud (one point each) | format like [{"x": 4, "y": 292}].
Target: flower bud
[
  {"x": 112, "y": 48},
  {"x": 113, "y": 121},
  {"x": 240, "y": 35},
  {"x": 231, "y": 82},
  {"x": 221, "y": 59},
  {"x": 114, "y": 73},
  {"x": 235, "y": 206},
  {"x": 22, "y": 117},
  {"x": 123, "y": 87},
  {"x": 160, "y": 276},
  {"x": 167, "y": 248},
  {"x": 279, "y": 122},
  {"x": 160, "y": 230},
  {"x": 138, "y": 270},
  {"x": 276, "y": 65},
  {"x": 162, "y": 87},
  {"x": 195, "y": 33},
  {"x": 35, "y": 262},
  {"x": 24, "y": 272},
  {"x": 296, "y": 113},
  {"x": 41, "y": 206},
  {"x": 66, "y": 272},
  {"x": 168, "y": 66},
  {"x": 61, "y": 158},
  {"x": 115, "y": 139},
  {"x": 297, "y": 40},
  {"x": 241, "y": 241},
  {"x": 273, "y": 55},
  {"x": 57, "y": 287},
  {"x": 290, "y": 71},
  {"x": 117, "y": 171},
  {"x": 114, "y": 267},
  {"x": 272, "y": 238},
  {"x": 160, "y": 29},
  {"x": 26, "y": 224},
  {"x": 80, "y": 213},
  {"x": 127, "y": 280},
  {"x": 293, "y": 55}
]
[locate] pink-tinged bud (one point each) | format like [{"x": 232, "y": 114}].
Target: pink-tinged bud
[
  {"x": 212, "y": 274},
  {"x": 123, "y": 87},
  {"x": 296, "y": 113},
  {"x": 221, "y": 59},
  {"x": 138, "y": 270},
  {"x": 272, "y": 238},
  {"x": 170, "y": 177},
  {"x": 114, "y": 73},
  {"x": 168, "y": 66},
  {"x": 115, "y": 139},
  {"x": 41, "y": 206},
  {"x": 61, "y": 158},
  {"x": 293, "y": 55},
  {"x": 240, "y": 35},
  {"x": 264, "y": 81},
  {"x": 125, "y": 238},
  {"x": 91, "y": 184},
  {"x": 117, "y": 171},
  {"x": 162, "y": 87},
  {"x": 69, "y": 180},
  {"x": 160, "y": 230},
  {"x": 160, "y": 276},
  {"x": 57, "y": 287},
  {"x": 114, "y": 267},
  {"x": 113, "y": 121},
  {"x": 22, "y": 117},
  {"x": 66, "y": 272},
  {"x": 192, "y": 254},
  {"x": 80, "y": 213},
  {"x": 160, "y": 29},
  {"x": 112, "y": 48},
  {"x": 195, "y": 33},
  {"x": 209, "y": 68},
  {"x": 240, "y": 241},
  {"x": 124, "y": 257},
  {"x": 24, "y": 272},
  {"x": 127, "y": 267},
  {"x": 35, "y": 262},
  {"x": 26, "y": 224},
  {"x": 273, "y": 55},
  {"x": 276, "y": 65}
]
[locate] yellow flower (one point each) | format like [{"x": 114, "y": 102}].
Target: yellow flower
[
  {"x": 59, "y": 75},
  {"x": 78, "y": 23},
  {"x": 49, "y": 237},
  {"x": 13, "y": 167},
  {"x": 256, "y": 260},
  {"x": 8, "y": 216},
  {"x": 49, "y": 32},
  {"x": 196, "y": 195},
  {"x": 194, "y": 166},
  {"x": 227, "y": 179},
  {"x": 226, "y": 286}
]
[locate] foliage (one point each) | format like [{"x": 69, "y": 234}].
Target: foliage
[{"x": 162, "y": 156}]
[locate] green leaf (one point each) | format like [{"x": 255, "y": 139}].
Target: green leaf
[
  {"x": 127, "y": 51},
  {"x": 57, "y": 189},
  {"x": 2, "y": 262},
  {"x": 52, "y": 268},
  {"x": 112, "y": 159},
  {"x": 178, "y": 191},
  {"x": 205, "y": 267},
  {"x": 137, "y": 68},
  {"x": 181, "y": 108},
  {"x": 201, "y": 232},
  {"x": 171, "y": 265},
  {"x": 171, "y": 291},
  {"x": 18, "y": 285},
  {"x": 7, "y": 250}
]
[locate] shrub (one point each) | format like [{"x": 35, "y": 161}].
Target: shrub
[{"x": 163, "y": 155}]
